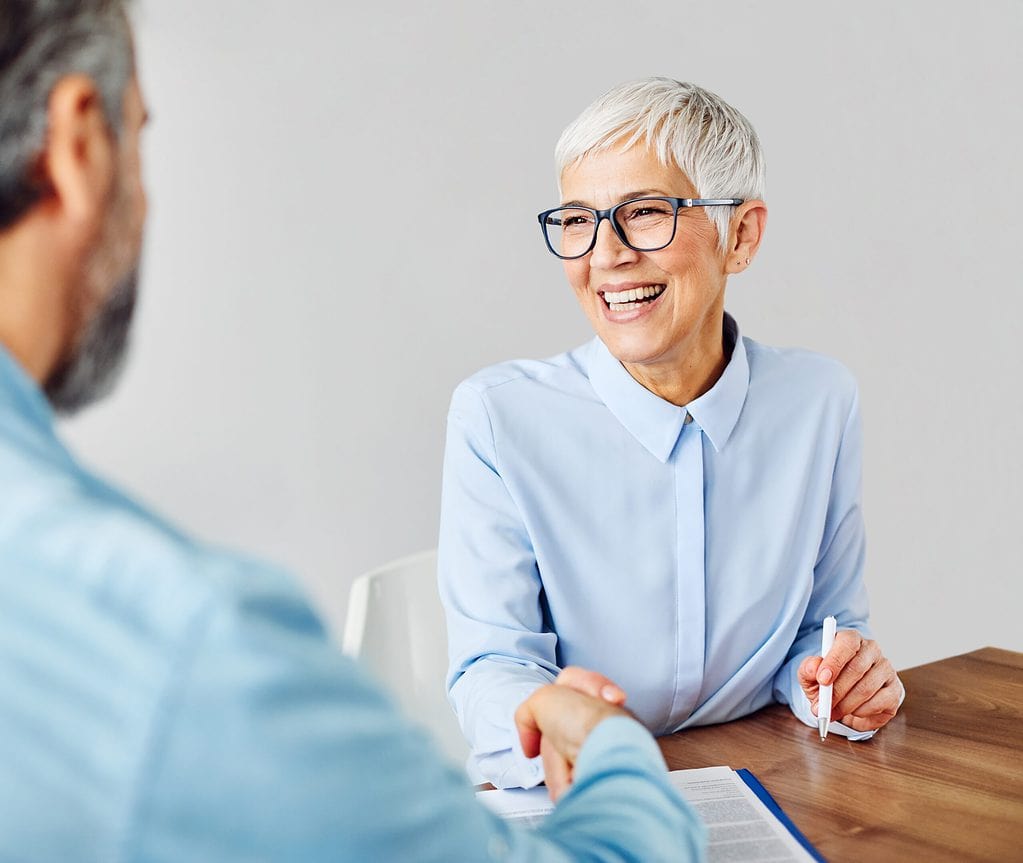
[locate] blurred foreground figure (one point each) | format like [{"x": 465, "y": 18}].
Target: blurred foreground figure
[{"x": 162, "y": 700}]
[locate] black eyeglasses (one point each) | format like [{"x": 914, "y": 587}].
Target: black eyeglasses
[{"x": 642, "y": 224}]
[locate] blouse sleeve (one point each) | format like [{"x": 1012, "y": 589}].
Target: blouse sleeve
[
  {"x": 838, "y": 587},
  {"x": 500, "y": 647}
]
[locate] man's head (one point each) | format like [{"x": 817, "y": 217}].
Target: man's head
[{"x": 71, "y": 198}]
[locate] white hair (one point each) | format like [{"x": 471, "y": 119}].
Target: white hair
[{"x": 704, "y": 136}]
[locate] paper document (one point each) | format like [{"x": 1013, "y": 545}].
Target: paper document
[{"x": 740, "y": 826}]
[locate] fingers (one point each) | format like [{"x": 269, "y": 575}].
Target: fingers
[
  {"x": 591, "y": 683},
  {"x": 807, "y": 675},
  {"x": 848, "y": 667},
  {"x": 877, "y": 710},
  {"x": 876, "y": 713},
  {"x": 847, "y": 645},
  {"x": 852, "y": 693},
  {"x": 865, "y": 688},
  {"x": 861, "y": 676},
  {"x": 529, "y": 730},
  {"x": 557, "y": 770},
  {"x": 556, "y": 720}
]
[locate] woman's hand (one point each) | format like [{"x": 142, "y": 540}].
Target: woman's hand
[
  {"x": 591, "y": 683},
  {"x": 865, "y": 688}
]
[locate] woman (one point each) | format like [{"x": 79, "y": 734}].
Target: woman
[{"x": 673, "y": 507}]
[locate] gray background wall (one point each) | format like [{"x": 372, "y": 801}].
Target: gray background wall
[{"x": 294, "y": 359}]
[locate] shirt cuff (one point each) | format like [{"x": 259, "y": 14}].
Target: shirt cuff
[
  {"x": 493, "y": 728},
  {"x": 619, "y": 733},
  {"x": 527, "y": 772}
]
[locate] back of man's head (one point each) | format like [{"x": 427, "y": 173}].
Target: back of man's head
[{"x": 42, "y": 41}]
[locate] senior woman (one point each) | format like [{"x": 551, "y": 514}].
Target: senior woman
[{"x": 672, "y": 507}]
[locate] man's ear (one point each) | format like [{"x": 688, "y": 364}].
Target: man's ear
[
  {"x": 79, "y": 160},
  {"x": 745, "y": 232}
]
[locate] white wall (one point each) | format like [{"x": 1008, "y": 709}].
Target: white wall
[{"x": 294, "y": 359}]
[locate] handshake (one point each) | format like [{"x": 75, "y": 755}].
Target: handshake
[{"x": 555, "y": 721}]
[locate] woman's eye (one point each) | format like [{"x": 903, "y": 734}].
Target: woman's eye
[{"x": 647, "y": 213}]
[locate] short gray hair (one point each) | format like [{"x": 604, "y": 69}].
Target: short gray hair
[
  {"x": 712, "y": 143},
  {"x": 42, "y": 41}
]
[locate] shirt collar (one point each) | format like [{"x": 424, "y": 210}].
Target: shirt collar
[
  {"x": 717, "y": 410},
  {"x": 657, "y": 423},
  {"x": 21, "y": 395}
]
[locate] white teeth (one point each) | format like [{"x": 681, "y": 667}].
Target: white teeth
[{"x": 618, "y": 298}]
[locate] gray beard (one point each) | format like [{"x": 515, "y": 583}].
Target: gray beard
[{"x": 91, "y": 372}]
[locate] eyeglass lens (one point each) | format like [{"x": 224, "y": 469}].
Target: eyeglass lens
[{"x": 646, "y": 224}]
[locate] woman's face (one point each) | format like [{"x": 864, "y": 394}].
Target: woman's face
[{"x": 679, "y": 327}]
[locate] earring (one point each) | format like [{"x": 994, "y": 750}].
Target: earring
[{"x": 747, "y": 262}]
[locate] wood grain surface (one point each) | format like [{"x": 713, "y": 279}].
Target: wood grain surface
[{"x": 943, "y": 781}]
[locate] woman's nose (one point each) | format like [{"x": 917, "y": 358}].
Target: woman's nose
[{"x": 608, "y": 250}]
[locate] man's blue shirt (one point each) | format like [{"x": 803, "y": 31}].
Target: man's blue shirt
[
  {"x": 688, "y": 553},
  {"x": 161, "y": 700}
]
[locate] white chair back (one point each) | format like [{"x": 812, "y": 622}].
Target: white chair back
[{"x": 395, "y": 626}]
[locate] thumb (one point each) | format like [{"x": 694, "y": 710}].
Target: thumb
[{"x": 529, "y": 731}]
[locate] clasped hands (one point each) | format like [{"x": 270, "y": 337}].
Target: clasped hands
[{"x": 556, "y": 719}]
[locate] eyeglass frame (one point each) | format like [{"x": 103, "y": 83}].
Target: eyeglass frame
[{"x": 609, "y": 214}]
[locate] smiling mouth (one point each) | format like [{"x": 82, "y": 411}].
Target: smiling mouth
[{"x": 624, "y": 301}]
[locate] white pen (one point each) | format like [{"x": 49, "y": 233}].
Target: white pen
[{"x": 824, "y": 692}]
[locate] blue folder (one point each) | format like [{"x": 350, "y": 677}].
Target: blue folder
[{"x": 776, "y": 810}]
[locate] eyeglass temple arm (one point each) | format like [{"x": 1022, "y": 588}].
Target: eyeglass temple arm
[{"x": 711, "y": 202}]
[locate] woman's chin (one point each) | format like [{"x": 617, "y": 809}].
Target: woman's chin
[{"x": 633, "y": 349}]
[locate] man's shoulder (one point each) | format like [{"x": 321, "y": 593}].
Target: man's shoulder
[
  {"x": 64, "y": 525},
  {"x": 115, "y": 625}
]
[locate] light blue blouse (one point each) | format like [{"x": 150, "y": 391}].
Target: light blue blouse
[
  {"x": 161, "y": 700},
  {"x": 688, "y": 553}
]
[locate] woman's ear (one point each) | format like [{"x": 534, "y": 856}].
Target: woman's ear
[{"x": 745, "y": 232}]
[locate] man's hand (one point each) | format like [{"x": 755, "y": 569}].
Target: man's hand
[
  {"x": 554, "y": 722},
  {"x": 865, "y": 688}
]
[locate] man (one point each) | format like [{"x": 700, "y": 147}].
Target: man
[{"x": 162, "y": 700}]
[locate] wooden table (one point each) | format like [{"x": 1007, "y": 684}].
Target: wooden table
[{"x": 942, "y": 781}]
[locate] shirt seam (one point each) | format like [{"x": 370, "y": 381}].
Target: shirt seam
[
  {"x": 481, "y": 389},
  {"x": 160, "y": 725},
  {"x": 490, "y": 428},
  {"x": 675, "y": 586},
  {"x": 822, "y": 552}
]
